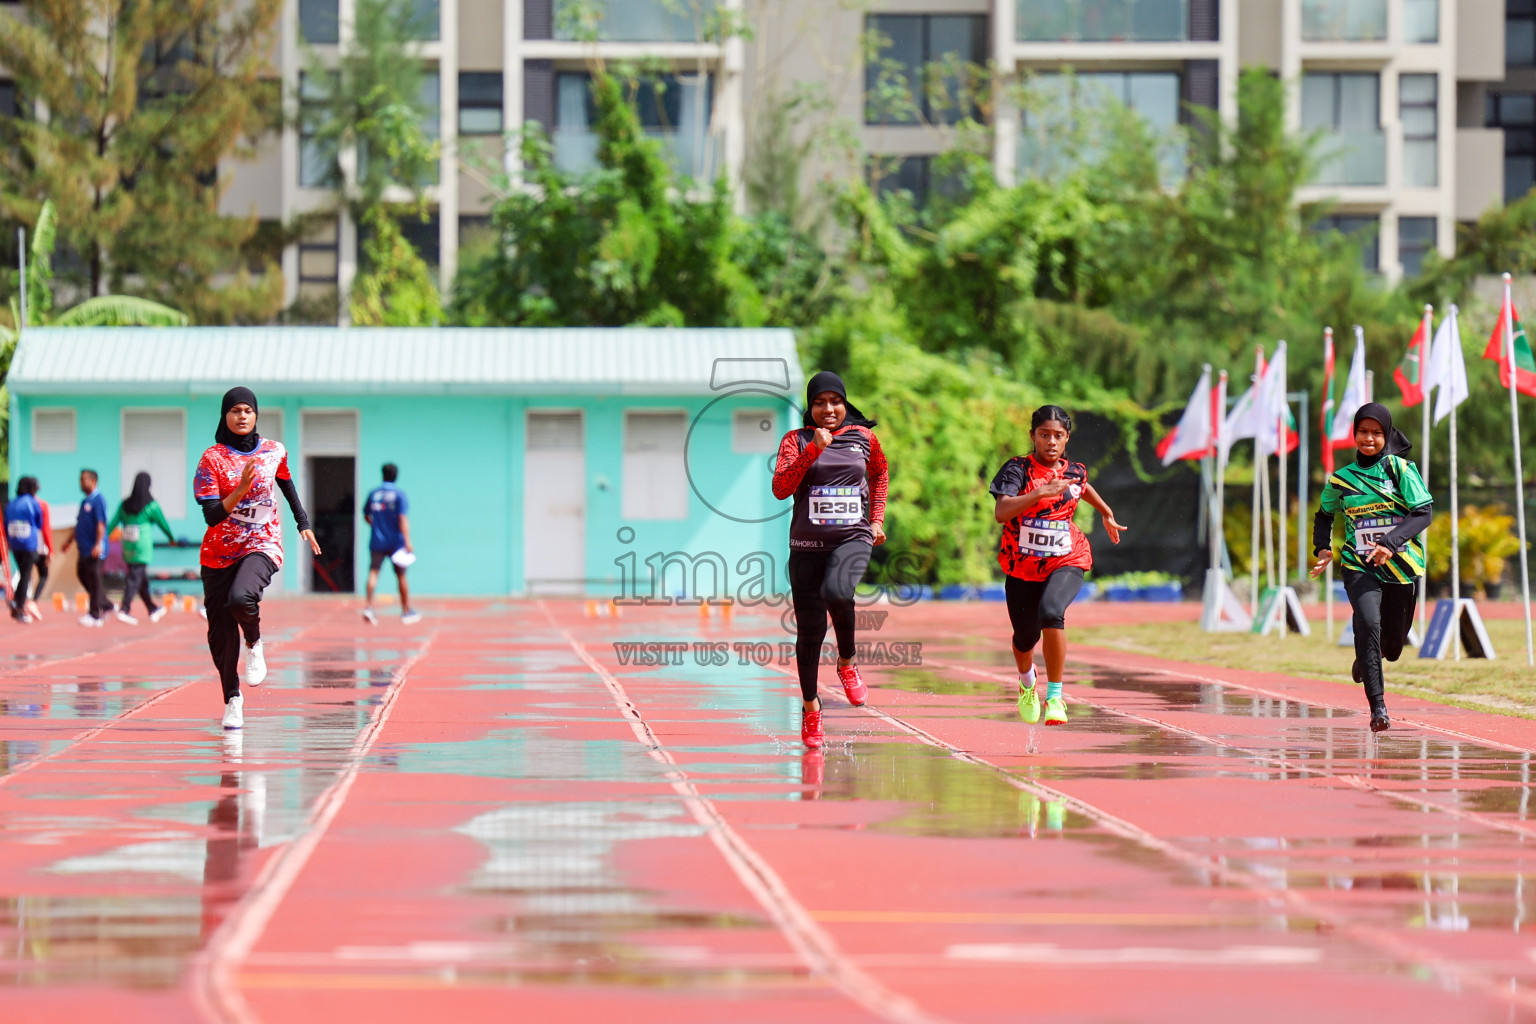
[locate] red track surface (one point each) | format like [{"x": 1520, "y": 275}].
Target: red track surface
[{"x": 493, "y": 817}]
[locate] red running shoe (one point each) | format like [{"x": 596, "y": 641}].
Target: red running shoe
[
  {"x": 853, "y": 686},
  {"x": 810, "y": 729}
]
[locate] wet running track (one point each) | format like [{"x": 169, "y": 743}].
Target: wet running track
[{"x": 500, "y": 815}]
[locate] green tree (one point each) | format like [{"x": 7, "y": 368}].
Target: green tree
[
  {"x": 131, "y": 108},
  {"x": 396, "y": 288}
]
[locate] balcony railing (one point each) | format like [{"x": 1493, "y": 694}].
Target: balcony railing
[
  {"x": 1103, "y": 21},
  {"x": 1336, "y": 21},
  {"x": 692, "y": 154},
  {"x": 634, "y": 21},
  {"x": 1357, "y": 156}
]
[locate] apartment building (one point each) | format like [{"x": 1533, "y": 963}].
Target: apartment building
[{"x": 1427, "y": 108}]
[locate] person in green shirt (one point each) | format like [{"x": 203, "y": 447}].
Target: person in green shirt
[
  {"x": 137, "y": 515},
  {"x": 1386, "y": 508}
]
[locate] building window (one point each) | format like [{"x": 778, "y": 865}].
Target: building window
[
  {"x": 155, "y": 442},
  {"x": 317, "y": 158},
  {"x": 271, "y": 422},
  {"x": 53, "y": 431},
  {"x": 319, "y": 257},
  {"x": 655, "y": 476},
  {"x": 1415, "y": 239},
  {"x": 424, "y": 26},
  {"x": 1346, "y": 108},
  {"x": 629, "y": 21},
  {"x": 1361, "y": 228},
  {"x": 480, "y": 103},
  {"x": 1419, "y": 111},
  {"x": 917, "y": 68},
  {"x": 320, "y": 21},
  {"x": 1421, "y": 21},
  {"x": 1331, "y": 21},
  {"x": 1515, "y": 112},
  {"x": 1103, "y": 21},
  {"x": 755, "y": 432},
  {"x": 10, "y": 100},
  {"x": 673, "y": 109},
  {"x": 1520, "y": 33},
  {"x": 1052, "y": 138},
  {"x": 918, "y": 176}
]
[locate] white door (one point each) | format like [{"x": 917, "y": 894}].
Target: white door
[{"x": 554, "y": 504}]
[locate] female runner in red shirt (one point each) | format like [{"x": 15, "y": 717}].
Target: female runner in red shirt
[
  {"x": 236, "y": 484},
  {"x": 1043, "y": 553},
  {"x": 836, "y": 471}
]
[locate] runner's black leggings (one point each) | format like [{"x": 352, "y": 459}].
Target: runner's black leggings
[
  {"x": 822, "y": 582},
  {"x": 1035, "y": 605},
  {"x": 136, "y": 584},
  {"x": 1383, "y": 616},
  {"x": 233, "y": 597}
]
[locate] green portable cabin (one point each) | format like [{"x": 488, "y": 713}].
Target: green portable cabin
[{"x": 628, "y": 462}]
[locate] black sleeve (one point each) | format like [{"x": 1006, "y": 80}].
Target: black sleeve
[
  {"x": 1413, "y": 524},
  {"x": 214, "y": 511},
  {"x": 1322, "y": 531},
  {"x": 300, "y": 517},
  {"x": 1008, "y": 480}
]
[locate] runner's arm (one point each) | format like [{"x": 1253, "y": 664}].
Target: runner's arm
[
  {"x": 158, "y": 515},
  {"x": 879, "y": 481},
  {"x": 117, "y": 519},
  {"x": 1091, "y": 496},
  {"x": 792, "y": 465},
  {"x": 300, "y": 517},
  {"x": 405, "y": 530}
]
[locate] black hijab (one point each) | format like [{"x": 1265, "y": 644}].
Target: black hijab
[
  {"x": 140, "y": 498},
  {"x": 826, "y": 380},
  {"x": 1397, "y": 441},
  {"x": 232, "y": 398}
]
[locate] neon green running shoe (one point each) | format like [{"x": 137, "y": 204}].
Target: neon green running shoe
[
  {"x": 1029, "y": 705},
  {"x": 1055, "y": 711}
]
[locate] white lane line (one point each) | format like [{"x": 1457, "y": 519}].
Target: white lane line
[
  {"x": 215, "y": 990},
  {"x": 809, "y": 940}
]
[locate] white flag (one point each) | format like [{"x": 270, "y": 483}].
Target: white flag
[
  {"x": 1342, "y": 431},
  {"x": 1239, "y": 424},
  {"x": 1448, "y": 366},
  {"x": 1191, "y": 439},
  {"x": 1270, "y": 406}
]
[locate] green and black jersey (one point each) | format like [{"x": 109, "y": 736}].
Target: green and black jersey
[{"x": 1375, "y": 499}]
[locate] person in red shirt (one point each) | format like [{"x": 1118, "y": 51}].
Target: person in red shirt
[
  {"x": 44, "y": 560},
  {"x": 834, "y": 468},
  {"x": 236, "y": 484},
  {"x": 1043, "y": 553}
]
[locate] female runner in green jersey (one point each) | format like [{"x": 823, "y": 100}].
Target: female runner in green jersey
[{"x": 1386, "y": 507}]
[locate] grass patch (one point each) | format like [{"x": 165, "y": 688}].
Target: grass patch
[{"x": 1505, "y": 684}]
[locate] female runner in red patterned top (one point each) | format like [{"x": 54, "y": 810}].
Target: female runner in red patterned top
[
  {"x": 236, "y": 484},
  {"x": 837, "y": 473},
  {"x": 1044, "y": 553}
]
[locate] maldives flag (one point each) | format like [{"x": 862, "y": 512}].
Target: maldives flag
[
  {"x": 1497, "y": 350},
  {"x": 1194, "y": 437},
  {"x": 1326, "y": 418},
  {"x": 1409, "y": 373}
]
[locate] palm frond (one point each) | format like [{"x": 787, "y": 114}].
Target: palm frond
[
  {"x": 120, "y": 311},
  {"x": 40, "y": 268}
]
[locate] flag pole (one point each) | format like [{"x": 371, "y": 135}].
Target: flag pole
[
  {"x": 1424, "y": 467},
  {"x": 1284, "y": 513},
  {"x": 1455, "y": 537},
  {"x": 1253, "y": 564},
  {"x": 1325, "y": 435},
  {"x": 1219, "y": 518},
  {"x": 1507, "y": 314}
]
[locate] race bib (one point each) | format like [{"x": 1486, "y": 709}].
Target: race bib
[
  {"x": 1045, "y": 538},
  {"x": 1369, "y": 532},
  {"x": 131, "y": 532},
  {"x": 18, "y": 529},
  {"x": 255, "y": 514},
  {"x": 835, "y": 506}
]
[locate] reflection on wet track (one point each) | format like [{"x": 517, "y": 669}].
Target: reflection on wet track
[{"x": 508, "y": 841}]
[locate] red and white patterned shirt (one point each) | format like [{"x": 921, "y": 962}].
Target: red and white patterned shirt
[{"x": 253, "y": 525}]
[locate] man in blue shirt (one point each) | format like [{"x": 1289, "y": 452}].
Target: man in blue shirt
[
  {"x": 389, "y": 538},
  {"x": 91, "y": 535},
  {"x": 23, "y": 532}
]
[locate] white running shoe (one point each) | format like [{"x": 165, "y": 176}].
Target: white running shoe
[
  {"x": 410, "y": 618},
  {"x": 126, "y": 619},
  {"x": 255, "y": 664},
  {"x": 157, "y": 614},
  {"x": 89, "y": 620},
  {"x": 234, "y": 712},
  {"x": 34, "y": 612},
  {"x": 369, "y": 617}
]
